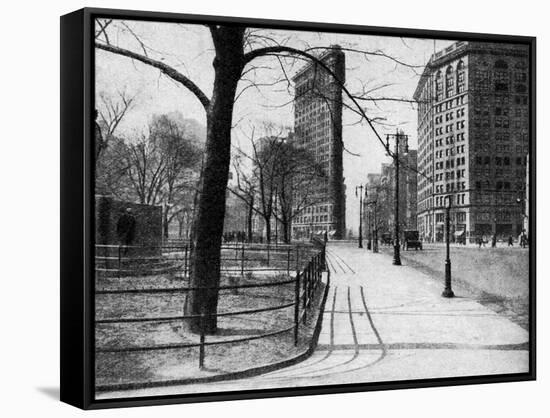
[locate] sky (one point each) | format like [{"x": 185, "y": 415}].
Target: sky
[{"x": 189, "y": 49}]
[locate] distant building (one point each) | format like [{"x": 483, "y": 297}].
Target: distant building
[
  {"x": 473, "y": 139},
  {"x": 381, "y": 188},
  {"x": 318, "y": 129}
]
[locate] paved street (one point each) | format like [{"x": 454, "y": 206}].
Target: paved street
[{"x": 383, "y": 323}]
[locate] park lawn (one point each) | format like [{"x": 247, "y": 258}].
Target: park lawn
[{"x": 144, "y": 367}]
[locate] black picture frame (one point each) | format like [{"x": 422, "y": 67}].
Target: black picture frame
[{"x": 77, "y": 207}]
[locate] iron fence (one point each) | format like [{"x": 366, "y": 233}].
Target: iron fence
[{"x": 302, "y": 264}]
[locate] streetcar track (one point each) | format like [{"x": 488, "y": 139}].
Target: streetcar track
[
  {"x": 355, "y": 345},
  {"x": 343, "y": 261},
  {"x": 335, "y": 260},
  {"x": 330, "y": 346},
  {"x": 330, "y": 265}
]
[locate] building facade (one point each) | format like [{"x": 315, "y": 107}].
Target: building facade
[
  {"x": 473, "y": 140},
  {"x": 381, "y": 189},
  {"x": 318, "y": 129}
]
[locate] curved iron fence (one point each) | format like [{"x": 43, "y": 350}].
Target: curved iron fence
[{"x": 306, "y": 279}]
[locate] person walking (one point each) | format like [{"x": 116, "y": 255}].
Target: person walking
[
  {"x": 510, "y": 241},
  {"x": 494, "y": 241}
]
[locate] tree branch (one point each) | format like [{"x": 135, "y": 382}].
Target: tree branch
[{"x": 165, "y": 69}]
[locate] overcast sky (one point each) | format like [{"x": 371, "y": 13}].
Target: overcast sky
[{"x": 189, "y": 49}]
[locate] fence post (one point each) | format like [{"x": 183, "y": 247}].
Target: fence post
[
  {"x": 119, "y": 261},
  {"x": 242, "y": 260},
  {"x": 185, "y": 274},
  {"x": 324, "y": 257},
  {"x": 311, "y": 276},
  {"x": 296, "y": 307},
  {"x": 288, "y": 262},
  {"x": 305, "y": 294},
  {"x": 201, "y": 347}
]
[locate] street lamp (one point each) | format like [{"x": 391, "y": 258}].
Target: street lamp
[
  {"x": 398, "y": 136},
  {"x": 369, "y": 236},
  {"x": 360, "y": 188},
  {"x": 448, "y": 292},
  {"x": 373, "y": 228}
]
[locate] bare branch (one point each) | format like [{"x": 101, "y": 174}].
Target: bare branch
[{"x": 165, "y": 69}]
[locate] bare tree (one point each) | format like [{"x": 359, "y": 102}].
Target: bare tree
[
  {"x": 246, "y": 190},
  {"x": 236, "y": 50},
  {"x": 301, "y": 183},
  {"x": 161, "y": 168},
  {"x": 112, "y": 110}
]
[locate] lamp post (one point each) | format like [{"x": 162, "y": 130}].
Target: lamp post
[
  {"x": 448, "y": 291},
  {"x": 398, "y": 136},
  {"x": 369, "y": 231},
  {"x": 374, "y": 228},
  {"x": 360, "y": 188}
]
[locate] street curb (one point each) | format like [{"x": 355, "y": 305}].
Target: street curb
[{"x": 254, "y": 371}]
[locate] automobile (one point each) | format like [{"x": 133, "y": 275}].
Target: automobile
[
  {"x": 387, "y": 239},
  {"x": 412, "y": 240}
]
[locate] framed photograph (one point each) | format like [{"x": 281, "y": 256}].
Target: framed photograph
[{"x": 255, "y": 208}]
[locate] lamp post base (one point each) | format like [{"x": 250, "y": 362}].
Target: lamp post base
[
  {"x": 396, "y": 256},
  {"x": 448, "y": 292}
]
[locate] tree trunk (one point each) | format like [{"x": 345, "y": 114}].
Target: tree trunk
[
  {"x": 249, "y": 220},
  {"x": 267, "y": 221},
  {"x": 205, "y": 267},
  {"x": 165, "y": 224},
  {"x": 286, "y": 230}
]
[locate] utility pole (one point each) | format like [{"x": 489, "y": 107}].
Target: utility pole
[
  {"x": 360, "y": 188},
  {"x": 398, "y": 136},
  {"x": 375, "y": 241}
]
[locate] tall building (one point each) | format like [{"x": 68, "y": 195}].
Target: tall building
[
  {"x": 381, "y": 187},
  {"x": 473, "y": 139},
  {"x": 318, "y": 129}
]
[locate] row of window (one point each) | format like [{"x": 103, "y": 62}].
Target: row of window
[
  {"x": 450, "y": 187},
  {"x": 499, "y": 160},
  {"x": 452, "y": 78}
]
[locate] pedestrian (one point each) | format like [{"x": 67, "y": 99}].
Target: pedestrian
[
  {"x": 510, "y": 241},
  {"x": 494, "y": 241},
  {"x": 523, "y": 239},
  {"x": 126, "y": 228}
]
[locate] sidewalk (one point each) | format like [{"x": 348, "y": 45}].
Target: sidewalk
[{"x": 387, "y": 323}]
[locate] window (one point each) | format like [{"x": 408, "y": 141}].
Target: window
[
  {"x": 501, "y": 76},
  {"x": 460, "y": 77},
  {"x": 449, "y": 82},
  {"x": 438, "y": 86}
]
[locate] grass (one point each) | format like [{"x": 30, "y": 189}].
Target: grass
[{"x": 179, "y": 364}]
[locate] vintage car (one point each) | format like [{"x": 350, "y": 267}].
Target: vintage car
[
  {"x": 412, "y": 240},
  {"x": 387, "y": 238}
]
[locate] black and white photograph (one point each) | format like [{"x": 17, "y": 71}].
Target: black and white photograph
[
  {"x": 276, "y": 208},
  {"x": 281, "y": 209}
]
